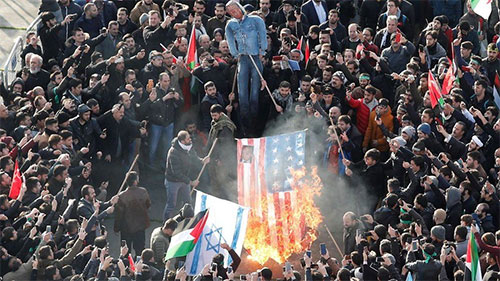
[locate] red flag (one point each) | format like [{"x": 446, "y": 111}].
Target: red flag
[
  {"x": 448, "y": 81},
  {"x": 497, "y": 81},
  {"x": 192, "y": 55},
  {"x": 299, "y": 45},
  {"x": 434, "y": 91},
  {"x": 17, "y": 182},
  {"x": 131, "y": 263},
  {"x": 307, "y": 53}
]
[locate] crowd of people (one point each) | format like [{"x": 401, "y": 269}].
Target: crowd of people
[{"x": 173, "y": 83}]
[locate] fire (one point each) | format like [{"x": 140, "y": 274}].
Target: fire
[{"x": 294, "y": 229}]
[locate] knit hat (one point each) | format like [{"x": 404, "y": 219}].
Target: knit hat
[
  {"x": 467, "y": 45},
  {"x": 249, "y": 8},
  {"x": 424, "y": 128},
  {"x": 62, "y": 117},
  {"x": 439, "y": 232},
  {"x": 400, "y": 140},
  {"x": 477, "y": 141},
  {"x": 144, "y": 17},
  {"x": 82, "y": 108},
  {"x": 409, "y": 131},
  {"x": 340, "y": 75}
]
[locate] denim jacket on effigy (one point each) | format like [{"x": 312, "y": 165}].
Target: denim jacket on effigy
[{"x": 249, "y": 34}]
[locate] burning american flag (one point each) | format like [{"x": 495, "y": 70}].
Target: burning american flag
[{"x": 272, "y": 182}]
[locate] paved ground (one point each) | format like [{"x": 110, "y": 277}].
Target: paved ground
[{"x": 15, "y": 16}]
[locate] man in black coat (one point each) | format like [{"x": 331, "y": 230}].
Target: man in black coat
[
  {"x": 371, "y": 173},
  {"x": 49, "y": 35},
  {"x": 156, "y": 32},
  {"x": 119, "y": 133},
  {"x": 183, "y": 165}
]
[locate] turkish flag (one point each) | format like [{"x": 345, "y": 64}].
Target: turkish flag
[{"x": 17, "y": 182}]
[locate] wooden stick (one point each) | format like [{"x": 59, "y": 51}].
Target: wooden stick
[
  {"x": 337, "y": 136},
  {"x": 232, "y": 90},
  {"x": 208, "y": 155},
  {"x": 334, "y": 241},
  {"x": 262, "y": 78},
  {"x": 128, "y": 172}
]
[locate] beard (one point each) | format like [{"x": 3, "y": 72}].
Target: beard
[{"x": 34, "y": 70}]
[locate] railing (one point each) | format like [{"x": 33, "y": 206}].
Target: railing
[{"x": 13, "y": 62}]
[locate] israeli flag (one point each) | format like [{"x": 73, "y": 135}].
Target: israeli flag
[{"x": 227, "y": 223}]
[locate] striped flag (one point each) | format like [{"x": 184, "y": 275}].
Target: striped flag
[
  {"x": 192, "y": 54},
  {"x": 303, "y": 46},
  {"x": 227, "y": 223},
  {"x": 496, "y": 88},
  {"x": 264, "y": 184},
  {"x": 481, "y": 7},
  {"x": 186, "y": 236},
  {"x": 472, "y": 266},
  {"x": 434, "y": 91}
]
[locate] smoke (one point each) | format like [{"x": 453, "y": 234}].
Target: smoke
[{"x": 339, "y": 193}]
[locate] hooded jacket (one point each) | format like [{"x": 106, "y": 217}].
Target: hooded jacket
[{"x": 453, "y": 206}]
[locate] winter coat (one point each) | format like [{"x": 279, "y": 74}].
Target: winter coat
[
  {"x": 362, "y": 113},
  {"x": 131, "y": 214},
  {"x": 373, "y": 132},
  {"x": 182, "y": 165}
]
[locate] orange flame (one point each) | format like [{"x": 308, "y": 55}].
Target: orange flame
[{"x": 294, "y": 230}]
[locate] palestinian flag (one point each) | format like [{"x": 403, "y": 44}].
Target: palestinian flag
[
  {"x": 192, "y": 55},
  {"x": 472, "y": 267},
  {"x": 496, "y": 88},
  {"x": 303, "y": 46},
  {"x": 481, "y": 7},
  {"x": 186, "y": 235},
  {"x": 434, "y": 91},
  {"x": 449, "y": 79}
]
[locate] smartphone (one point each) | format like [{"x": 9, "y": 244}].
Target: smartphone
[
  {"x": 447, "y": 250},
  {"x": 414, "y": 245},
  {"x": 409, "y": 239},
  {"x": 277, "y": 58},
  {"x": 49, "y": 228},
  {"x": 243, "y": 277},
  {"x": 214, "y": 267},
  {"x": 229, "y": 269},
  {"x": 302, "y": 262},
  {"x": 181, "y": 264},
  {"x": 323, "y": 248},
  {"x": 308, "y": 253},
  {"x": 367, "y": 234},
  {"x": 124, "y": 243},
  {"x": 358, "y": 232},
  {"x": 288, "y": 266},
  {"x": 137, "y": 259},
  {"x": 379, "y": 259}
]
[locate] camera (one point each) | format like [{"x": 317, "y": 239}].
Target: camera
[
  {"x": 379, "y": 259},
  {"x": 214, "y": 267},
  {"x": 211, "y": 60},
  {"x": 243, "y": 277},
  {"x": 170, "y": 11}
]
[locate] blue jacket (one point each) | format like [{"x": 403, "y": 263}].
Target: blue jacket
[
  {"x": 91, "y": 26},
  {"x": 250, "y": 35}
]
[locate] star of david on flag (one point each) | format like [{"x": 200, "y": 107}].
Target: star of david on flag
[{"x": 227, "y": 223}]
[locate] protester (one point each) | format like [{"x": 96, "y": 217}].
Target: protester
[{"x": 399, "y": 100}]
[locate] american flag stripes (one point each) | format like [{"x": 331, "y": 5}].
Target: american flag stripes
[{"x": 264, "y": 177}]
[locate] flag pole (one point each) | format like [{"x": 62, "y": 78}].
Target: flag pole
[
  {"x": 334, "y": 241},
  {"x": 262, "y": 78},
  {"x": 337, "y": 136},
  {"x": 204, "y": 164},
  {"x": 234, "y": 87},
  {"x": 128, "y": 172}
]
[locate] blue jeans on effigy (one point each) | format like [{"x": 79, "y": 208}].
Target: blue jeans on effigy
[
  {"x": 176, "y": 192},
  {"x": 248, "y": 75},
  {"x": 160, "y": 135}
]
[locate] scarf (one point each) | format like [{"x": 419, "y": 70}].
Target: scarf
[
  {"x": 218, "y": 125},
  {"x": 185, "y": 147}
]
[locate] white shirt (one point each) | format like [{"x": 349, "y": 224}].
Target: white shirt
[{"x": 320, "y": 12}]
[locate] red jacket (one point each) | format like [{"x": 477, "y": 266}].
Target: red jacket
[{"x": 362, "y": 114}]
